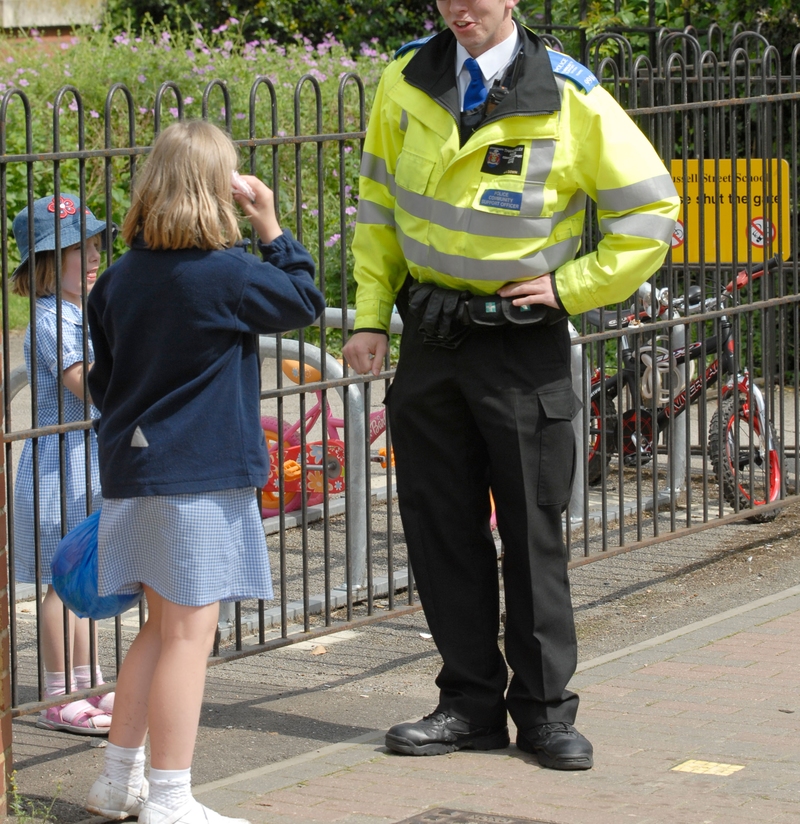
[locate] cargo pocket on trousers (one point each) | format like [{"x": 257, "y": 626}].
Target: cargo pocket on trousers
[{"x": 557, "y": 452}]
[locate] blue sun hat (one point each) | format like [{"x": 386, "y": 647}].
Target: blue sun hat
[{"x": 46, "y": 216}]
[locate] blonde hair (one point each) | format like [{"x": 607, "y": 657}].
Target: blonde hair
[
  {"x": 44, "y": 275},
  {"x": 182, "y": 197}
]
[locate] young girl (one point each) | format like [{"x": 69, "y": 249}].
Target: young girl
[
  {"x": 90, "y": 717},
  {"x": 175, "y": 324}
]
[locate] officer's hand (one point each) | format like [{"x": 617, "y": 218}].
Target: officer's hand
[
  {"x": 536, "y": 290},
  {"x": 366, "y": 351}
]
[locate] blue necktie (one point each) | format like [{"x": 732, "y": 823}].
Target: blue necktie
[{"x": 476, "y": 91}]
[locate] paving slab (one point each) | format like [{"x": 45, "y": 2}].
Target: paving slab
[{"x": 698, "y": 726}]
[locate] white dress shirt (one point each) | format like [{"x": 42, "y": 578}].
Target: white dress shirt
[{"x": 492, "y": 63}]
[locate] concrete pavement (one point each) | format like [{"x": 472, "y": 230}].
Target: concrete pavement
[{"x": 698, "y": 726}]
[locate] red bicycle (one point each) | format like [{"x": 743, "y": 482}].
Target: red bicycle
[
  {"x": 742, "y": 444},
  {"x": 310, "y": 469}
]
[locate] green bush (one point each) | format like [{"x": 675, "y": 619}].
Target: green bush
[
  {"x": 214, "y": 72},
  {"x": 355, "y": 23}
]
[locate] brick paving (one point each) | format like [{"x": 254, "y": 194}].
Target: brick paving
[{"x": 721, "y": 695}]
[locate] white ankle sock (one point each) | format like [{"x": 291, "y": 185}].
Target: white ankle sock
[
  {"x": 54, "y": 684},
  {"x": 83, "y": 677},
  {"x": 125, "y": 765},
  {"x": 170, "y": 788}
]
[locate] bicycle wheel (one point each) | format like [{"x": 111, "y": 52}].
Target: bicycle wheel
[
  {"x": 270, "y": 498},
  {"x": 600, "y": 448},
  {"x": 746, "y": 479}
]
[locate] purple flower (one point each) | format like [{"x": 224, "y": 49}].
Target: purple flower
[
  {"x": 93, "y": 113},
  {"x": 174, "y": 112},
  {"x": 333, "y": 240},
  {"x": 142, "y": 79},
  {"x": 73, "y": 106}
]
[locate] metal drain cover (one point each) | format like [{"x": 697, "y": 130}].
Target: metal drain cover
[{"x": 444, "y": 816}]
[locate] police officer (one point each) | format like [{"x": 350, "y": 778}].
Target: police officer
[{"x": 481, "y": 150}]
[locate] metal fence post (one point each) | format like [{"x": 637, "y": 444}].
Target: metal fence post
[
  {"x": 357, "y": 462},
  {"x": 580, "y": 378},
  {"x": 6, "y": 761}
]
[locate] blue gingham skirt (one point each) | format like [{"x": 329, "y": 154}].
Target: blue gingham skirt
[
  {"x": 51, "y": 487},
  {"x": 192, "y": 549}
]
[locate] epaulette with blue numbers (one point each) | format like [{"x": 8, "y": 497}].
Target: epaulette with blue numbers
[
  {"x": 414, "y": 44},
  {"x": 576, "y": 72}
]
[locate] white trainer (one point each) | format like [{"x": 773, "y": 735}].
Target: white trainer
[
  {"x": 116, "y": 801},
  {"x": 192, "y": 812}
]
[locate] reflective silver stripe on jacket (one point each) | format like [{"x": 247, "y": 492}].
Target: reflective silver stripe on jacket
[
  {"x": 466, "y": 268},
  {"x": 636, "y": 195},
  {"x": 371, "y": 212},
  {"x": 374, "y": 168},
  {"x": 656, "y": 227},
  {"x": 540, "y": 164},
  {"x": 474, "y": 222}
]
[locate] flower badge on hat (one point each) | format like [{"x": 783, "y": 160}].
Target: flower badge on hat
[{"x": 66, "y": 207}]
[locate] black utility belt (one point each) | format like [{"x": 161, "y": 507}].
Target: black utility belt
[
  {"x": 446, "y": 315},
  {"x": 492, "y": 310}
]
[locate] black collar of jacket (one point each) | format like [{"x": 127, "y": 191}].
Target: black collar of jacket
[{"x": 432, "y": 70}]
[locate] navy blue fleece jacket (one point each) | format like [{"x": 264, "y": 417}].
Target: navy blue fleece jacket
[{"x": 176, "y": 373}]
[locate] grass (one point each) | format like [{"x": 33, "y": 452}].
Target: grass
[{"x": 25, "y": 810}]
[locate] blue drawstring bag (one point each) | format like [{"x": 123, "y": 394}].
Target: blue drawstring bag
[{"x": 74, "y": 569}]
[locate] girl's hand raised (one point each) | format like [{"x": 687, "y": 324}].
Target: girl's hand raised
[{"x": 260, "y": 208}]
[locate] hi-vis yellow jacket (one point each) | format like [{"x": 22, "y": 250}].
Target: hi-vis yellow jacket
[{"x": 509, "y": 204}]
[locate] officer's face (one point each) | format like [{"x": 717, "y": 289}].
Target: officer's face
[{"x": 478, "y": 24}]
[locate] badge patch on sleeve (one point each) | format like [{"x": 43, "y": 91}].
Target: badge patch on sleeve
[
  {"x": 501, "y": 199},
  {"x": 503, "y": 160}
]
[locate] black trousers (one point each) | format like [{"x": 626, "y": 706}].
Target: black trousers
[{"x": 494, "y": 412}]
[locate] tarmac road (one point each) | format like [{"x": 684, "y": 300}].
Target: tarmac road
[{"x": 271, "y": 707}]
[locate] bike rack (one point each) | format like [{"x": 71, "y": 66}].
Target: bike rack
[
  {"x": 580, "y": 369},
  {"x": 358, "y": 456}
]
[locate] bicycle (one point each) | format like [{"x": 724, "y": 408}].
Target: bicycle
[
  {"x": 293, "y": 468},
  {"x": 742, "y": 444},
  {"x": 311, "y": 464}
]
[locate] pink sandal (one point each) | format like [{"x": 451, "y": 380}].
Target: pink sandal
[
  {"x": 78, "y": 716},
  {"x": 104, "y": 703}
]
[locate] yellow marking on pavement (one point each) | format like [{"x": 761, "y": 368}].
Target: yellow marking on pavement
[{"x": 708, "y": 768}]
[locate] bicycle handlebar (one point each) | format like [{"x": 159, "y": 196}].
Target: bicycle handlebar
[{"x": 656, "y": 301}]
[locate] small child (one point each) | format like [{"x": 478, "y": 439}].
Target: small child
[
  {"x": 90, "y": 717},
  {"x": 175, "y": 325}
]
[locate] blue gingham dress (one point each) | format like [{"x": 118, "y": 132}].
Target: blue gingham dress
[
  {"x": 192, "y": 549},
  {"x": 50, "y": 479}
]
